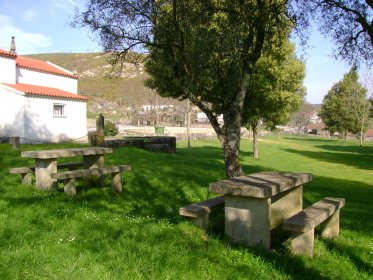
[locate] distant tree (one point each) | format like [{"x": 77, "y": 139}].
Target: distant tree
[
  {"x": 345, "y": 107},
  {"x": 348, "y": 23},
  {"x": 110, "y": 128},
  {"x": 275, "y": 90},
  {"x": 301, "y": 118}
]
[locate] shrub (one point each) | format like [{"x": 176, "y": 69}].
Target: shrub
[{"x": 110, "y": 129}]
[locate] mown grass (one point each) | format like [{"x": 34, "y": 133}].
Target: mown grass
[{"x": 139, "y": 234}]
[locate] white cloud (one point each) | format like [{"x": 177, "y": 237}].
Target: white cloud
[
  {"x": 29, "y": 16},
  {"x": 26, "y": 42},
  {"x": 57, "y": 6}
]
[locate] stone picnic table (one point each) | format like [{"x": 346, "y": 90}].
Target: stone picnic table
[
  {"x": 46, "y": 162},
  {"x": 257, "y": 203}
]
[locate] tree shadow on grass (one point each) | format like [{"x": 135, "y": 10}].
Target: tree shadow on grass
[
  {"x": 361, "y": 161},
  {"x": 160, "y": 182},
  {"x": 311, "y": 139},
  {"x": 362, "y": 150},
  {"x": 352, "y": 253}
]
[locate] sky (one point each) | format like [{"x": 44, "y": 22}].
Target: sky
[{"x": 43, "y": 26}]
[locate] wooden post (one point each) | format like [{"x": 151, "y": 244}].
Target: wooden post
[
  {"x": 100, "y": 124},
  {"x": 100, "y": 131},
  {"x": 15, "y": 141}
]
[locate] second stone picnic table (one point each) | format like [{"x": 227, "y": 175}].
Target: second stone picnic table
[{"x": 46, "y": 162}]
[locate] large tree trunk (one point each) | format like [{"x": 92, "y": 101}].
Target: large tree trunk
[
  {"x": 254, "y": 127},
  {"x": 231, "y": 150}
]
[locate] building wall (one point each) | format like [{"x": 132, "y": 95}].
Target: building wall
[
  {"x": 40, "y": 124},
  {"x": 11, "y": 113},
  {"x": 31, "y": 77},
  {"x": 7, "y": 70}
]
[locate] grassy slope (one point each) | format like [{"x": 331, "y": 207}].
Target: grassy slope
[
  {"x": 138, "y": 234},
  {"x": 126, "y": 91}
]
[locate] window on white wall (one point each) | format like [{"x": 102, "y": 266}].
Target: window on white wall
[{"x": 59, "y": 110}]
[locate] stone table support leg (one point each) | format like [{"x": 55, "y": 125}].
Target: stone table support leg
[
  {"x": 43, "y": 170},
  {"x": 95, "y": 161},
  {"x": 286, "y": 204},
  {"x": 247, "y": 221},
  {"x": 26, "y": 179}
]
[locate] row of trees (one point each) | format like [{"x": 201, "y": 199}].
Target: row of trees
[{"x": 210, "y": 51}]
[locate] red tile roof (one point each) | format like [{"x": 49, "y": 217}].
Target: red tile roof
[
  {"x": 46, "y": 91},
  {"x": 42, "y": 66},
  {"x": 5, "y": 53},
  {"x": 369, "y": 133}
]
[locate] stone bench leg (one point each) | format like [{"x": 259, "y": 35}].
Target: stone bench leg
[
  {"x": 202, "y": 221},
  {"x": 69, "y": 186},
  {"x": 26, "y": 179},
  {"x": 116, "y": 182},
  {"x": 303, "y": 243},
  {"x": 330, "y": 227}
]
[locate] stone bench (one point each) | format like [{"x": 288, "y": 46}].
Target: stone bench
[
  {"x": 302, "y": 225},
  {"x": 25, "y": 172},
  {"x": 200, "y": 212},
  {"x": 69, "y": 177}
]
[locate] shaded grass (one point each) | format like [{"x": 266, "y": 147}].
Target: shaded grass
[{"x": 139, "y": 234}]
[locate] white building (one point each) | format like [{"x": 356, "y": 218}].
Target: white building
[
  {"x": 39, "y": 100},
  {"x": 202, "y": 118}
]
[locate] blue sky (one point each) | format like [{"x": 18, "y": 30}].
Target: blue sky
[{"x": 42, "y": 26}]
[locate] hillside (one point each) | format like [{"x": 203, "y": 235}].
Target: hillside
[{"x": 109, "y": 95}]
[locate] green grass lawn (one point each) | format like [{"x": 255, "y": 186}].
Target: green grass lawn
[{"x": 139, "y": 234}]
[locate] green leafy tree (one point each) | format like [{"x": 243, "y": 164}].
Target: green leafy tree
[
  {"x": 346, "y": 108},
  {"x": 204, "y": 51},
  {"x": 348, "y": 23},
  {"x": 214, "y": 49},
  {"x": 276, "y": 90}
]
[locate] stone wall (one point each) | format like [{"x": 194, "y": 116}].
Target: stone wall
[{"x": 165, "y": 144}]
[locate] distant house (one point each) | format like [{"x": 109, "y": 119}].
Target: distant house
[
  {"x": 314, "y": 117},
  {"x": 315, "y": 128},
  {"x": 369, "y": 134},
  {"x": 39, "y": 100}
]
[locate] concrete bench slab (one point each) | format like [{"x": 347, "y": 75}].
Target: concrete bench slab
[
  {"x": 200, "y": 212},
  {"x": 69, "y": 177},
  {"x": 302, "y": 225},
  {"x": 25, "y": 172}
]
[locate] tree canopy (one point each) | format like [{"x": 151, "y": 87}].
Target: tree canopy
[
  {"x": 349, "y": 24},
  {"x": 275, "y": 89},
  {"x": 345, "y": 107}
]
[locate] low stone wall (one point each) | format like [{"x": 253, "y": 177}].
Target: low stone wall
[{"x": 165, "y": 144}]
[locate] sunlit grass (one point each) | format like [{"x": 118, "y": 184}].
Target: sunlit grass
[{"x": 139, "y": 234}]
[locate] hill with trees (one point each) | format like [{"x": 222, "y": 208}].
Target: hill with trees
[{"x": 114, "y": 93}]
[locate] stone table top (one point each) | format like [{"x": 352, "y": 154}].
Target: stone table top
[
  {"x": 57, "y": 153},
  {"x": 260, "y": 185}
]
